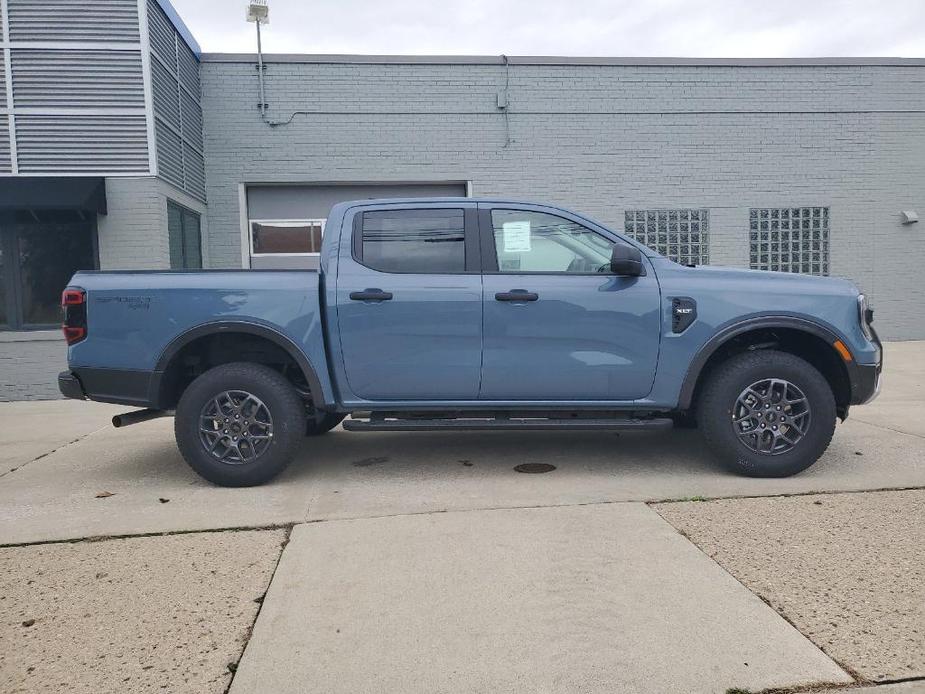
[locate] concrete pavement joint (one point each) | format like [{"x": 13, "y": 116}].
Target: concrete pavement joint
[
  {"x": 289, "y": 525},
  {"x": 783, "y": 495},
  {"x": 712, "y": 529},
  {"x": 829, "y": 687},
  {"x": 850, "y": 671},
  {"x": 886, "y": 428},
  {"x": 233, "y": 667},
  {"x": 105, "y": 538},
  {"x": 48, "y": 453}
]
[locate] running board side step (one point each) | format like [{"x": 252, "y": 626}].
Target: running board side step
[{"x": 502, "y": 424}]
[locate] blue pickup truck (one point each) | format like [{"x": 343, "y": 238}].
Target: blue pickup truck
[{"x": 470, "y": 314}]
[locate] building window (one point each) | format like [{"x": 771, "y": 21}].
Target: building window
[
  {"x": 184, "y": 237},
  {"x": 286, "y": 236},
  {"x": 681, "y": 235},
  {"x": 39, "y": 253},
  {"x": 429, "y": 241},
  {"x": 790, "y": 239}
]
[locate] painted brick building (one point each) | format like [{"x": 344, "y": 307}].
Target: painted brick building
[{"x": 801, "y": 165}]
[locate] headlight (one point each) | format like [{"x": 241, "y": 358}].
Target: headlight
[{"x": 865, "y": 316}]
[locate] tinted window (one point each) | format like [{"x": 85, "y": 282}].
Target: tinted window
[
  {"x": 184, "y": 238},
  {"x": 418, "y": 241},
  {"x": 537, "y": 242},
  {"x": 48, "y": 256}
]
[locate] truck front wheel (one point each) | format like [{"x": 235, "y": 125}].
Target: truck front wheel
[
  {"x": 239, "y": 424},
  {"x": 767, "y": 413}
]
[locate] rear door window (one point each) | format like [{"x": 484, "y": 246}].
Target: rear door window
[{"x": 430, "y": 241}]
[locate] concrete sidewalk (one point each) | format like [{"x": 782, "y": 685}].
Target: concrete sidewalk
[
  {"x": 603, "y": 598},
  {"x": 345, "y": 475},
  {"x": 446, "y": 570}
]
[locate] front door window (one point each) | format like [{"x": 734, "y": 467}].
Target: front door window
[{"x": 538, "y": 242}]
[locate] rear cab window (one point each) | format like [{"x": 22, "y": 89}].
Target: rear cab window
[{"x": 419, "y": 241}]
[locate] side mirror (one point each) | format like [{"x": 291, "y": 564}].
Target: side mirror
[{"x": 625, "y": 261}]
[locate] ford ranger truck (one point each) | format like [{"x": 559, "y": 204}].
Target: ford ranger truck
[{"x": 463, "y": 314}]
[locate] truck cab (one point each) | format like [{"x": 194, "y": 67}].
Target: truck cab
[{"x": 473, "y": 314}]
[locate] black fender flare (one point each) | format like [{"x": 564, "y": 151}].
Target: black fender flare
[
  {"x": 727, "y": 333},
  {"x": 250, "y": 328}
]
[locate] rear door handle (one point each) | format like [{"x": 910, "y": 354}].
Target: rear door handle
[
  {"x": 371, "y": 295},
  {"x": 517, "y": 295}
]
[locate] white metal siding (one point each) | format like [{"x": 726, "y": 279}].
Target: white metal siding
[
  {"x": 166, "y": 94},
  {"x": 169, "y": 154},
  {"x": 177, "y": 112},
  {"x": 188, "y": 69},
  {"x": 161, "y": 33},
  {"x": 85, "y": 144},
  {"x": 194, "y": 170},
  {"x": 5, "y": 144},
  {"x": 73, "y": 20},
  {"x": 2, "y": 74},
  {"x": 67, "y": 79},
  {"x": 192, "y": 121}
]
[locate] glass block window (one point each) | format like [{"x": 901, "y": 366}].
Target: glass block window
[
  {"x": 681, "y": 235},
  {"x": 790, "y": 239}
]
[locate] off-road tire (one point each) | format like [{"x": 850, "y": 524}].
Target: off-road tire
[
  {"x": 324, "y": 424},
  {"x": 718, "y": 399},
  {"x": 281, "y": 400}
]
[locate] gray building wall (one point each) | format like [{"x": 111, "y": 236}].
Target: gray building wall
[
  {"x": 601, "y": 137},
  {"x": 133, "y": 234}
]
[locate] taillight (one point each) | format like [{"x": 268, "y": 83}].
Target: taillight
[{"x": 74, "y": 303}]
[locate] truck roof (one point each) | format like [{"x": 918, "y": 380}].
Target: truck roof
[{"x": 457, "y": 199}]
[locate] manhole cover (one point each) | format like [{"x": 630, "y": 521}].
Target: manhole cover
[{"x": 534, "y": 468}]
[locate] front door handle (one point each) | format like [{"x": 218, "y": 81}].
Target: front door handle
[
  {"x": 371, "y": 295},
  {"x": 517, "y": 295}
]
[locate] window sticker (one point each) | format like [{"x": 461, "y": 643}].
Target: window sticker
[{"x": 516, "y": 237}]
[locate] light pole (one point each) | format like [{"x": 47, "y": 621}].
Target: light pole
[{"x": 259, "y": 13}]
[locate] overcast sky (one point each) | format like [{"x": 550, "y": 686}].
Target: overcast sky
[{"x": 686, "y": 28}]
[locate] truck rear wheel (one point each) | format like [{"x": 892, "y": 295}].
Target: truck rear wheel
[
  {"x": 767, "y": 414},
  {"x": 239, "y": 424}
]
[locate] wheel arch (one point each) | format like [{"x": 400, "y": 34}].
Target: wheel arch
[
  {"x": 161, "y": 383},
  {"x": 801, "y": 337}
]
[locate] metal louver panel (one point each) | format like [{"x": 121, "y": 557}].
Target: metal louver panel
[
  {"x": 5, "y": 166},
  {"x": 192, "y": 121},
  {"x": 169, "y": 154},
  {"x": 195, "y": 170},
  {"x": 86, "y": 144},
  {"x": 188, "y": 68},
  {"x": 72, "y": 78},
  {"x": 162, "y": 35},
  {"x": 166, "y": 94},
  {"x": 73, "y": 20},
  {"x": 2, "y": 69}
]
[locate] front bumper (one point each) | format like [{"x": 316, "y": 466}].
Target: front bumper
[
  {"x": 866, "y": 383},
  {"x": 865, "y": 378}
]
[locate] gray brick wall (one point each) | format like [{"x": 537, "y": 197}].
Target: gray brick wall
[
  {"x": 29, "y": 368},
  {"x": 601, "y": 139}
]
